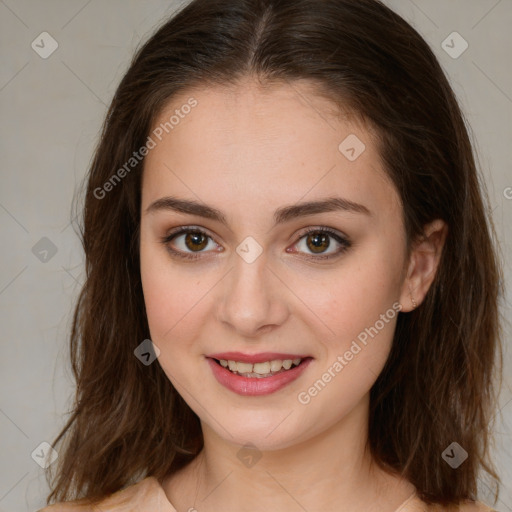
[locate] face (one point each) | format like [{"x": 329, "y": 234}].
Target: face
[{"x": 322, "y": 283}]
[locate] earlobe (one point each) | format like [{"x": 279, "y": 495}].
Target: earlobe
[{"x": 423, "y": 264}]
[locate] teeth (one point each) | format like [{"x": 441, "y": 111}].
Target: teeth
[
  {"x": 260, "y": 369},
  {"x": 243, "y": 367},
  {"x": 276, "y": 365}
]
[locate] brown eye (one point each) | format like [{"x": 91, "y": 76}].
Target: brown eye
[
  {"x": 188, "y": 243},
  {"x": 196, "y": 240},
  {"x": 317, "y": 242}
]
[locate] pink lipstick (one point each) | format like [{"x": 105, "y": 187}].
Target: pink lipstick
[{"x": 254, "y": 386}]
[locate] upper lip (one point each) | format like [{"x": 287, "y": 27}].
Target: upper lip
[{"x": 262, "y": 357}]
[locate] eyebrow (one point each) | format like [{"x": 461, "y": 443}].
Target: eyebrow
[{"x": 281, "y": 215}]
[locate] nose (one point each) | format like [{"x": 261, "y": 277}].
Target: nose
[{"x": 253, "y": 299}]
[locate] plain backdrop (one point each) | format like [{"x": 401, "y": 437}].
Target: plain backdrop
[{"x": 51, "y": 112}]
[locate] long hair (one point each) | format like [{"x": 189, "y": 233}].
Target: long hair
[{"x": 438, "y": 385}]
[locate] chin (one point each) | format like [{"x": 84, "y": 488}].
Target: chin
[{"x": 267, "y": 435}]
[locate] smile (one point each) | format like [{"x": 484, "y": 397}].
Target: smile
[
  {"x": 252, "y": 379},
  {"x": 260, "y": 370}
]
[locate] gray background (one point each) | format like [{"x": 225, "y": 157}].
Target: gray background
[{"x": 51, "y": 112}]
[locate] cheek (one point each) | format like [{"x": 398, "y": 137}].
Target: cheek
[
  {"x": 356, "y": 308},
  {"x": 360, "y": 309},
  {"x": 172, "y": 298},
  {"x": 347, "y": 301},
  {"x": 173, "y": 306}
]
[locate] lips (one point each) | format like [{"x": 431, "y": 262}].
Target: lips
[{"x": 253, "y": 386}]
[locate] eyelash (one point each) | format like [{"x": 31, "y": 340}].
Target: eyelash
[{"x": 345, "y": 243}]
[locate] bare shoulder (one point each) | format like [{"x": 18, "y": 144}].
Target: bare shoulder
[
  {"x": 475, "y": 507},
  {"x": 67, "y": 506},
  {"x": 123, "y": 500},
  {"x": 466, "y": 506}
]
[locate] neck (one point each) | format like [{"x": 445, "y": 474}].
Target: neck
[{"x": 331, "y": 471}]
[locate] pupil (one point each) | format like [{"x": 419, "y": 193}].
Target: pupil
[
  {"x": 320, "y": 242},
  {"x": 195, "y": 238}
]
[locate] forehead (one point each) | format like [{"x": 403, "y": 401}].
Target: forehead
[{"x": 259, "y": 146}]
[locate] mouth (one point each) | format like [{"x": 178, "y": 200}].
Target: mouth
[
  {"x": 260, "y": 378},
  {"x": 260, "y": 370}
]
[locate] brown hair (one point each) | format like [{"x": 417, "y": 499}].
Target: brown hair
[{"x": 437, "y": 385}]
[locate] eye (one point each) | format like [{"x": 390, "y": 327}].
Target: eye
[
  {"x": 192, "y": 239},
  {"x": 317, "y": 240}
]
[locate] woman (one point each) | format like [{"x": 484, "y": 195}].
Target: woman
[{"x": 292, "y": 290}]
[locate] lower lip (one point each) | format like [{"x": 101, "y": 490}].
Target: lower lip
[{"x": 254, "y": 386}]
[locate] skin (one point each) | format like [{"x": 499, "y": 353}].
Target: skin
[{"x": 248, "y": 151}]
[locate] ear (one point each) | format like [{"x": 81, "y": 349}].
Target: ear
[{"x": 423, "y": 263}]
